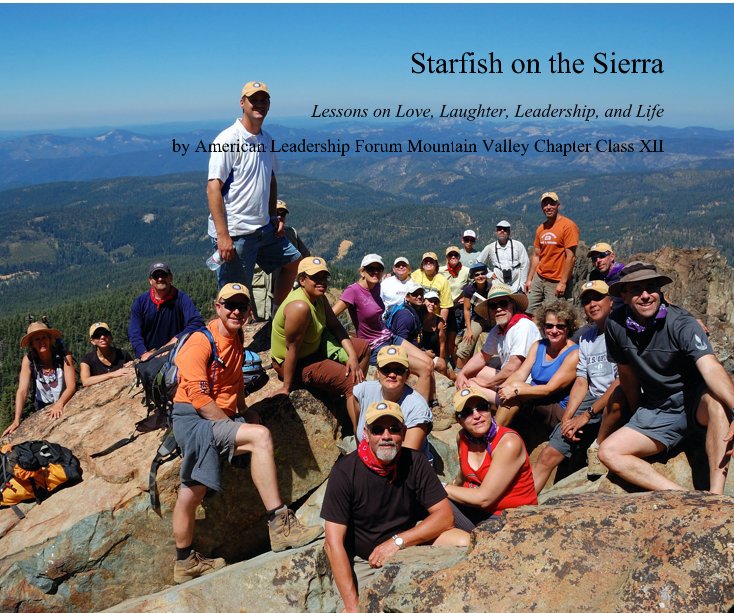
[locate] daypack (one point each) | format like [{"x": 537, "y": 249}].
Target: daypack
[
  {"x": 253, "y": 372},
  {"x": 34, "y": 469},
  {"x": 392, "y": 312}
]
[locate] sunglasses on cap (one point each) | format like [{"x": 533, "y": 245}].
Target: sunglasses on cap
[
  {"x": 234, "y": 305},
  {"x": 502, "y": 304},
  {"x": 482, "y": 407},
  {"x": 377, "y": 429},
  {"x": 390, "y": 369},
  {"x": 561, "y": 327}
]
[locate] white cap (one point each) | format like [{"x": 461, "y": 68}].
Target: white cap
[
  {"x": 401, "y": 258},
  {"x": 503, "y": 224},
  {"x": 430, "y": 294},
  {"x": 371, "y": 258},
  {"x": 469, "y": 233},
  {"x": 411, "y": 286}
]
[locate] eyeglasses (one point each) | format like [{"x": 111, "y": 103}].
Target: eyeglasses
[
  {"x": 389, "y": 370},
  {"x": 469, "y": 411},
  {"x": 591, "y": 297},
  {"x": 159, "y": 275},
  {"x": 377, "y": 430},
  {"x": 502, "y": 304},
  {"x": 600, "y": 256},
  {"x": 374, "y": 270},
  {"x": 561, "y": 327},
  {"x": 234, "y": 305},
  {"x": 100, "y": 333}
]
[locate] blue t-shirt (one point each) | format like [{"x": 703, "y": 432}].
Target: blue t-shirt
[{"x": 543, "y": 371}]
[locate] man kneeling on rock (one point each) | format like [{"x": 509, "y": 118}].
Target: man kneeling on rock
[
  {"x": 375, "y": 500},
  {"x": 671, "y": 379},
  {"x": 210, "y": 422}
]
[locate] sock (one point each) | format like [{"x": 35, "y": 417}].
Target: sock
[
  {"x": 182, "y": 553},
  {"x": 271, "y": 515}
]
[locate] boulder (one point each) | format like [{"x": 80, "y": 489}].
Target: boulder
[
  {"x": 97, "y": 543},
  {"x": 597, "y": 551}
]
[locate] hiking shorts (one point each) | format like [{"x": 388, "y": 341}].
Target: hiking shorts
[
  {"x": 270, "y": 252},
  {"x": 669, "y": 422},
  {"x": 561, "y": 444}
]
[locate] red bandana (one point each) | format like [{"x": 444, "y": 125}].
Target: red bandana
[
  {"x": 158, "y": 302},
  {"x": 454, "y": 272},
  {"x": 515, "y": 318},
  {"x": 375, "y": 464}
]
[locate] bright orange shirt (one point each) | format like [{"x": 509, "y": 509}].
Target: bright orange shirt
[
  {"x": 194, "y": 370},
  {"x": 551, "y": 244}
]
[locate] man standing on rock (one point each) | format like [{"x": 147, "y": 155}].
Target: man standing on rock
[
  {"x": 507, "y": 258},
  {"x": 243, "y": 194},
  {"x": 554, "y": 254},
  {"x": 374, "y": 500},
  {"x": 673, "y": 383},
  {"x": 211, "y": 422}
]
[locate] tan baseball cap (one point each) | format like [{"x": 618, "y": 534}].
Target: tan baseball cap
[
  {"x": 464, "y": 395},
  {"x": 429, "y": 254},
  {"x": 313, "y": 265},
  {"x": 594, "y": 286},
  {"x": 253, "y": 87},
  {"x": 382, "y": 409},
  {"x": 231, "y": 290},
  {"x": 452, "y": 249},
  {"x": 280, "y": 204},
  {"x": 98, "y": 325},
  {"x": 392, "y": 354},
  {"x": 549, "y": 195},
  {"x": 600, "y": 248}
]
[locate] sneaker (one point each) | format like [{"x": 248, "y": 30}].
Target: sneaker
[
  {"x": 595, "y": 468},
  {"x": 194, "y": 566},
  {"x": 286, "y": 531}
]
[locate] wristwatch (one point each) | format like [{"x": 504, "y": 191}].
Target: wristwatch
[
  {"x": 590, "y": 412},
  {"x": 398, "y": 541}
]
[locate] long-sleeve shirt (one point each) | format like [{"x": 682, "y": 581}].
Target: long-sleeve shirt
[{"x": 152, "y": 326}]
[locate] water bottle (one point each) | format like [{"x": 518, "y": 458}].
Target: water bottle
[{"x": 214, "y": 261}]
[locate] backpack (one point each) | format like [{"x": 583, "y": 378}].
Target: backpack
[
  {"x": 33, "y": 470},
  {"x": 392, "y": 312},
  {"x": 253, "y": 372}
]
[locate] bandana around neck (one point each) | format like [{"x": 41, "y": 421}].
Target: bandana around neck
[
  {"x": 375, "y": 464},
  {"x": 485, "y": 440},
  {"x": 515, "y": 318},
  {"x": 159, "y": 301},
  {"x": 634, "y": 326},
  {"x": 454, "y": 272}
]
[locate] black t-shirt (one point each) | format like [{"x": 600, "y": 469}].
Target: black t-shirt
[
  {"x": 372, "y": 508},
  {"x": 663, "y": 356},
  {"x": 96, "y": 367}
]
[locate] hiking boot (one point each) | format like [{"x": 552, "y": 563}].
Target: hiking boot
[
  {"x": 194, "y": 566},
  {"x": 595, "y": 468},
  {"x": 286, "y": 531}
]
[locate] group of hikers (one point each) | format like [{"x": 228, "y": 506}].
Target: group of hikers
[{"x": 632, "y": 381}]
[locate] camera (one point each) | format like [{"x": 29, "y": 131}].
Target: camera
[{"x": 507, "y": 276}]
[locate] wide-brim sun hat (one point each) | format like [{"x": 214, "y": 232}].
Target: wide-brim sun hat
[
  {"x": 36, "y": 328},
  {"x": 501, "y": 290},
  {"x": 637, "y": 271}
]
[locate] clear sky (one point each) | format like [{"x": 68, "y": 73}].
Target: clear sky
[{"x": 87, "y": 65}]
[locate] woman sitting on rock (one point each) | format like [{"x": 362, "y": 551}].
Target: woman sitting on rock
[
  {"x": 551, "y": 366},
  {"x": 366, "y": 307},
  {"x": 49, "y": 369},
  {"x": 495, "y": 468},
  {"x": 106, "y": 361}
]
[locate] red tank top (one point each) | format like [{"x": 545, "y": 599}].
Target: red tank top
[{"x": 521, "y": 490}]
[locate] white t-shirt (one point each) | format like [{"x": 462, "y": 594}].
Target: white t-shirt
[
  {"x": 516, "y": 342},
  {"x": 392, "y": 291},
  {"x": 250, "y": 165}
]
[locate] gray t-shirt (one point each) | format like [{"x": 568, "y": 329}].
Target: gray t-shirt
[
  {"x": 415, "y": 409},
  {"x": 593, "y": 363}
]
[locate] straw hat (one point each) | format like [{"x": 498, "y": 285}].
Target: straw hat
[{"x": 38, "y": 327}]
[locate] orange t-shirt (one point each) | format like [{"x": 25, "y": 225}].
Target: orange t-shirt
[
  {"x": 194, "y": 370},
  {"x": 551, "y": 244}
]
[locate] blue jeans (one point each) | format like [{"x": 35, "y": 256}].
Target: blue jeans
[{"x": 270, "y": 252}]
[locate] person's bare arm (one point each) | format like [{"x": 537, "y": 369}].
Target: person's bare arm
[
  {"x": 341, "y": 568},
  {"x": 534, "y": 260},
  {"x": 415, "y": 436},
  {"x": 56, "y": 410},
  {"x": 563, "y": 377},
  {"x": 21, "y": 395},
  {"x": 87, "y": 378},
  {"x": 720, "y": 386},
  {"x": 225, "y": 246},
  {"x": 335, "y": 327},
  {"x": 297, "y": 314},
  {"x": 568, "y": 262}
]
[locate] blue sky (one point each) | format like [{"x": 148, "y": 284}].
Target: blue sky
[{"x": 87, "y": 65}]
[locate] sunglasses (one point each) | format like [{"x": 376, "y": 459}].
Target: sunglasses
[
  {"x": 481, "y": 273},
  {"x": 100, "y": 333},
  {"x": 600, "y": 256},
  {"x": 469, "y": 239},
  {"x": 500, "y": 229},
  {"x": 400, "y": 265},
  {"x": 591, "y": 297},
  {"x": 389, "y": 370},
  {"x": 378, "y": 430},
  {"x": 320, "y": 278},
  {"x": 502, "y": 304},
  {"x": 561, "y": 327},
  {"x": 159, "y": 275},
  {"x": 234, "y": 305},
  {"x": 374, "y": 270},
  {"x": 469, "y": 411}
]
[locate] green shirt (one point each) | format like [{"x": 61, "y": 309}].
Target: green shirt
[{"x": 314, "y": 330}]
